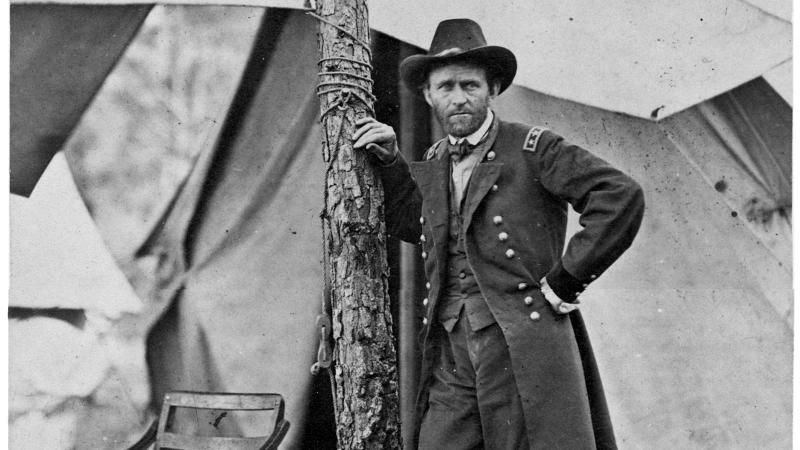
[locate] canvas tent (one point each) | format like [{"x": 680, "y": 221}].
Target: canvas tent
[
  {"x": 65, "y": 294},
  {"x": 692, "y": 327},
  {"x": 647, "y": 59}
]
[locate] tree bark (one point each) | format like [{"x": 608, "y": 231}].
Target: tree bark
[{"x": 365, "y": 371}]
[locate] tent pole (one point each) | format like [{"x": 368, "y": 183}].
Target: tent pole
[
  {"x": 365, "y": 371},
  {"x": 415, "y": 138}
]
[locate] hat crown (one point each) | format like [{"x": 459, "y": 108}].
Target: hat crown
[
  {"x": 458, "y": 34},
  {"x": 459, "y": 40}
]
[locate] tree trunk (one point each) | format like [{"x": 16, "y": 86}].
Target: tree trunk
[{"x": 366, "y": 388}]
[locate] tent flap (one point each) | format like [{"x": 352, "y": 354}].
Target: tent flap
[{"x": 58, "y": 62}]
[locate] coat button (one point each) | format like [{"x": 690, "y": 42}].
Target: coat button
[
  {"x": 497, "y": 220},
  {"x": 421, "y": 220},
  {"x": 424, "y": 320},
  {"x": 503, "y": 236},
  {"x": 427, "y": 285},
  {"x": 491, "y": 155},
  {"x": 522, "y": 286},
  {"x": 462, "y": 275},
  {"x": 494, "y": 188},
  {"x": 422, "y": 238},
  {"x": 535, "y": 315},
  {"x": 510, "y": 253},
  {"x": 424, "y": 255},
  {"x": 528, "y": 300},
  {"x": 425, "y": 301}
]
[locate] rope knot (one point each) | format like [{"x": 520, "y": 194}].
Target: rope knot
[{"x": 343, "y": 98}]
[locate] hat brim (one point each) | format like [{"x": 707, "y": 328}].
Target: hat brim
[{"x": 498, "y": 60}]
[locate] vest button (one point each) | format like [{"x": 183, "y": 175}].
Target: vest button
[
  {"x": 494, "y": 188},
  {"x": 503, "y": 236},
  {"x": 421, "y": 220},
  {"x": 424, "y": 255},
  {"x": 497, "y": 220},
  {"x": 522, "y": 286},
  {"x": 424, "y": 320},
  {"x": 490, "y": 156},
  {"x": 535, "y": 316},
  {"x": 425, "y": 301},
  {"x": 510, "y": 253},
  {"x": 427, "y": 285},
  {"x": 529, "y": 300},
  {"x": 422, "y": 238}
]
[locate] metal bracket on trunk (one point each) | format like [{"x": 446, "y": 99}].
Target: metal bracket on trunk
[{"x": 325, "y": 351}]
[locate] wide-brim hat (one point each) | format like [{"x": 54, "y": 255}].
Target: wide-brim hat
[{"x": 460, "y": 40}]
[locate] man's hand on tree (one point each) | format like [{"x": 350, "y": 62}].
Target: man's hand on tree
[{"x": 378, "y": 138}]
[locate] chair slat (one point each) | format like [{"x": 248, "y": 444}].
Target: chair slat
[
  {"x": 242, "y": 402},
  {"x": 187, "y": 442}
]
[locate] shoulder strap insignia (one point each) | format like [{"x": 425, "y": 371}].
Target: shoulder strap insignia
[
  {"x": 532, "y": 140},
  {"x": 431, "y": 153}
]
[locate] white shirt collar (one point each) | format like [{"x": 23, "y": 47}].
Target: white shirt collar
[{"x": 476, "y": 137}]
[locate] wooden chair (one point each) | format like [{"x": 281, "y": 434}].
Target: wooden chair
[{"x": 161, "y": 432}]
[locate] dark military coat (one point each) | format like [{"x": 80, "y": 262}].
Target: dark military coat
[{"x": 522, "y": 189}]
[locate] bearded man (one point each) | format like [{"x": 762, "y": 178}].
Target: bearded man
[{"x": 507, "y": 362}]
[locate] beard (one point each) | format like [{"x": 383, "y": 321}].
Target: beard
[{"x": 462, "y": 122}]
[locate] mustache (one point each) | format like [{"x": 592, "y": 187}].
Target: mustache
[{"x": 460, "y": 111}]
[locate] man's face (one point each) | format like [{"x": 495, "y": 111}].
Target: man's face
[{"x": 460, "y": 97}]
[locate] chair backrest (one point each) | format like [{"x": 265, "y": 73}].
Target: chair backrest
[{"x": 166, "y": 437}]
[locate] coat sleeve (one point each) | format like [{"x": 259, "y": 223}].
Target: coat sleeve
[
  {"x": 610, "y": 204},
  {"x": 402, "y": 201}
]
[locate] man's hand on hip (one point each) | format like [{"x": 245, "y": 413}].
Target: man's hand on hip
[
  {"x": 378, "y": 138},
  {"x": 558, "y": 305}
]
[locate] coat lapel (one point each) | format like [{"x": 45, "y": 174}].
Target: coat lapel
[
  {"x": 483, "y": 177},
  {"x": 433, "y": 179}
]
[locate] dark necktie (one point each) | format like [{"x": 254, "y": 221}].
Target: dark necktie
[{"x": 460, "y": 150}]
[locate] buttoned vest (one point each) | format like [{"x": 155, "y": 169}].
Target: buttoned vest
[{"x": 461, "y": 288}]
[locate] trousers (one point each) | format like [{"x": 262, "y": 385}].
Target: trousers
[{"x": 473, "y": 401}]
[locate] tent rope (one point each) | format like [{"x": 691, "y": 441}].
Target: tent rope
[
  {"x": 340, "y": 72},
  {"x": 342, "y": 58},
  {"x": 344, "y": 95},
  {"x": 344, "y": 83}
]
